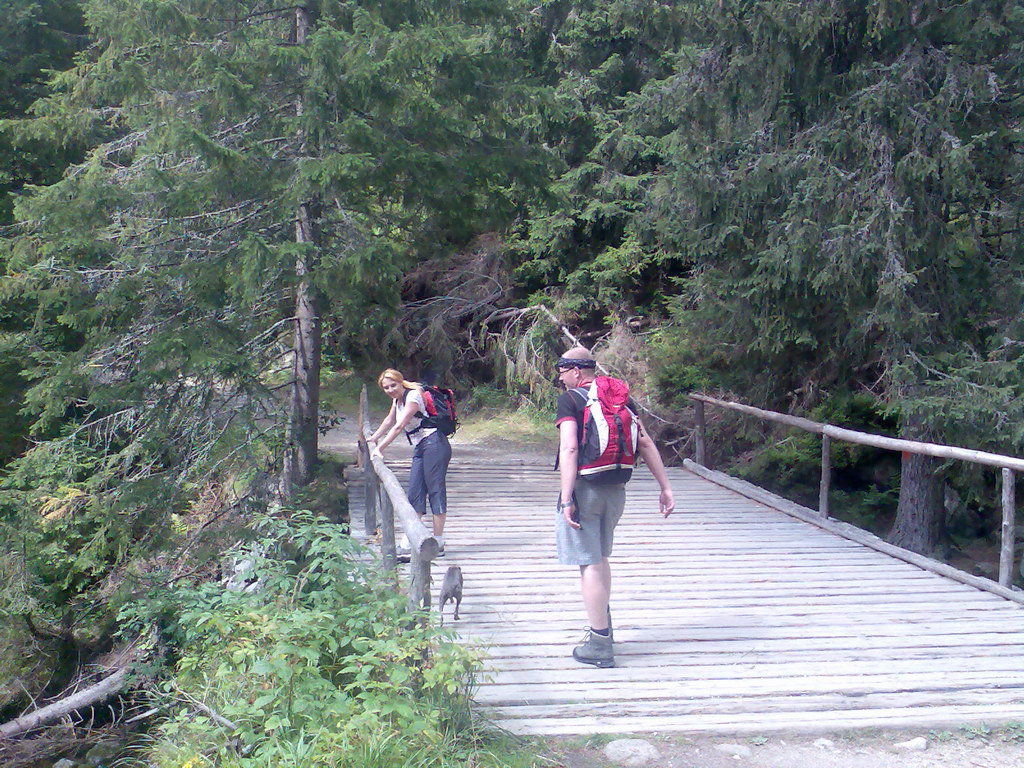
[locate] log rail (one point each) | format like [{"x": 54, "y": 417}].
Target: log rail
[
  {"x": 828, "y": 432},
  {"x": 386, "y": 501}
]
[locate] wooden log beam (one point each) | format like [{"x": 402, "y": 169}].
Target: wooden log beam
[
  {"x": 387, "y": 531},
  {"x": 865, "y": 438},
  {"x": 782, "y": 418},
  {"x": 369, "y": 493},
  {"x": 364, "y": 421},
  {"x": 926, "y": 449},
  {"x": 419, "y": 586},
  {"x": 421, "y": 541},
  {"x": 51, "y": 713}
]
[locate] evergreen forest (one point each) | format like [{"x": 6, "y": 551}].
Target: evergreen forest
[{"x": 219, "y": 217}]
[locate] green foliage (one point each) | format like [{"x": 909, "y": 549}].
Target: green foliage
[
  {"x": 836, "y": 179},
  {"x": 678, "y": 369},
  {"x": 37, "y": 36},
  {"x": 25, "y": 661},
  {"x": 72, "y": 534},
  {"x": 154, "y": 280},
  {"x": 1014, "y": 732},
  {"x": 486, "y": 398},
  {"x": 317, "y": 662},
  {"x": 597, "y": 55},
  {"x": 326, "y": 494}
]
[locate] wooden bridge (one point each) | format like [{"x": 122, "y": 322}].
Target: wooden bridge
[{"x": 730, "y": 616}]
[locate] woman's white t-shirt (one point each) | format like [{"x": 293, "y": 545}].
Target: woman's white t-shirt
[{"x": 421, "y": 413}]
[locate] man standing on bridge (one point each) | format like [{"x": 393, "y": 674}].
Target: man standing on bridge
[{"x": 599, "y": 435}]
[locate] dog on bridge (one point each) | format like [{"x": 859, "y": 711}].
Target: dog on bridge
[{"x": 451, "y": 591}]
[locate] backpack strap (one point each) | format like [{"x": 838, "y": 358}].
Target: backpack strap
[
  {"x": 584, "y": 394},
  {"x": 410, "y": 432}
]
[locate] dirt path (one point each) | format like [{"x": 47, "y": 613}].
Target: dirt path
[
  {"x": 502, "y": 440},
  {"x": 956, "y": 748}
]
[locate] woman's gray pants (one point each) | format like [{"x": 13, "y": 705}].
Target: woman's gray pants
[{"x": 430, "y": 459}]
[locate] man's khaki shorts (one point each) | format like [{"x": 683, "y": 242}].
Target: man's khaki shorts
[{"x": 600, "y": 507}]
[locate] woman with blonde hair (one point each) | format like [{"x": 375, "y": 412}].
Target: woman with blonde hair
[{"x": 431, "y": 450}]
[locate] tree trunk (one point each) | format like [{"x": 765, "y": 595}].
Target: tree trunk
[
  {"x": 300, "y": 451},
  {"x": 921, "y": 516}
]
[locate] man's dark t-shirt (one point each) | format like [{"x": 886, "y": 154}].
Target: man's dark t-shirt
[{"x": 570, "y": 406}]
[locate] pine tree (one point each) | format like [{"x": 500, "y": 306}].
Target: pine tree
[
  {"x": 845, "y": 180},
  {"x": 253, "y": 171},
  {"x": 37, "y": 35},
  {"x": 598, "y": 56}
]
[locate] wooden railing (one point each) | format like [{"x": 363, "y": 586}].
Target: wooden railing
[
  {"x": 384, "y": 498},
  {"x": 1007, "y": 464}
]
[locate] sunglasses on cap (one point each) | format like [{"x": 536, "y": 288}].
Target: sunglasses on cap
[{"x": 565, "y": 364}]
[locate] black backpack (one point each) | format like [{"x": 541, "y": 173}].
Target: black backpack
[{"x": 441, "y": 414}]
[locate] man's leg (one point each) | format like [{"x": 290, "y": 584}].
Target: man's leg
[{"x": 596, "y": 586}]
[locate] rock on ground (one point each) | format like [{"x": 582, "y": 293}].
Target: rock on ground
[
  {"x": 918, "y": 744},
  {"x": 736, "y": 750},
  {"x": 631, "y": 753}
]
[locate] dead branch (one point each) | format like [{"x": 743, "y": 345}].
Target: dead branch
[
  {"x": 90, "y": 696},
  {"x": 576, "y": 342}
]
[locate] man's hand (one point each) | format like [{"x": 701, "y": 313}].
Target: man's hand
[
  {"x": 667, "y": 503},
  {"x": 569, "y": 512},
  {"x": 376, "y": 454}
]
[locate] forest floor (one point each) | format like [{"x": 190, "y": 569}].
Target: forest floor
[{"x": 510, "y": 438}]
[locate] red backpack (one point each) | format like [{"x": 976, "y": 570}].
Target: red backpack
[
  {"x": 441, "y": 414},
  {"x": 610, "y": 428}
]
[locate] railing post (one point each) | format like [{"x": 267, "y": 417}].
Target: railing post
[
  {"x": 387, "y": 532},
  {"x": 364, "y": 418},
  {"x": 371, "y": 491},
  {"x": 700, "y": 454},
  {"x": 826, "y": 475},
  {"x": 1008, "y": 530},
  {"x": 419, "y": 583}
]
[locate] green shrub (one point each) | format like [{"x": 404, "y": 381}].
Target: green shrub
[
  {"x": 487, "y": 397},
  {"x": 317, "y": 662}
]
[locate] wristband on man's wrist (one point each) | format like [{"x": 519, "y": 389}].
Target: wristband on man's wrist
[{"x": 563, "y": 505}]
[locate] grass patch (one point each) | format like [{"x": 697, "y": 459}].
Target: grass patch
[{"x": 493, "y": 419}]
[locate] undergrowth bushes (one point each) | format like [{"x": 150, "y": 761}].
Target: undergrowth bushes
[{"x": 312, "y": 657}]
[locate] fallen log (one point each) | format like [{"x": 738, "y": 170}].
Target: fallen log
[{"x": 94, "y": 694}]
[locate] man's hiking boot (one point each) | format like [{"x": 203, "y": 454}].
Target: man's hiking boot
[{"x": 595, "y": 649}]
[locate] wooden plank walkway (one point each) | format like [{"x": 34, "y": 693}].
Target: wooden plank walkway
[{"x": 730, "y": 616}]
